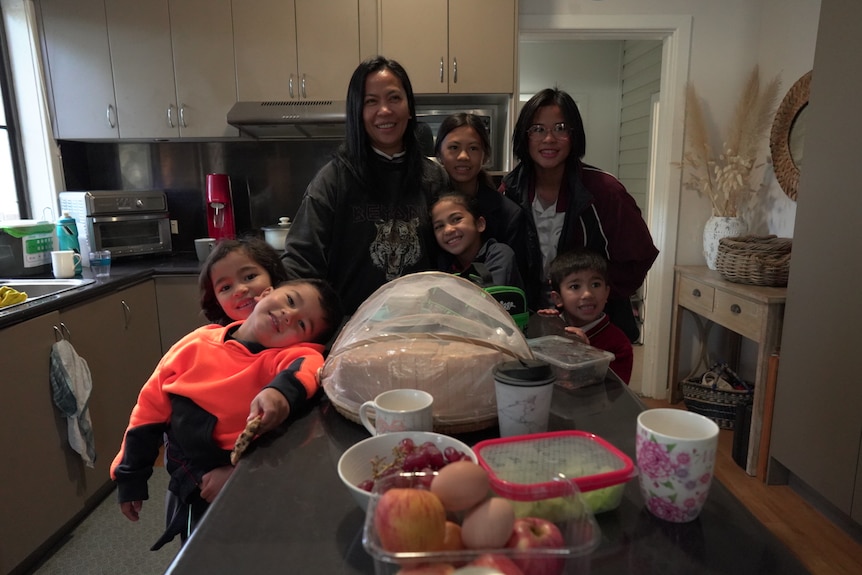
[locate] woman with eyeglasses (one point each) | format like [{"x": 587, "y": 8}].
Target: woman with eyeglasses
[{"x": 570, "y": 204}]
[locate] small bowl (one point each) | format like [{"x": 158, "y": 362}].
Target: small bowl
[{"x": 354, "y": 465}]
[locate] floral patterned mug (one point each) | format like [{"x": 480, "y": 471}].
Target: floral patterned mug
[{"x": 675, "y": 452}]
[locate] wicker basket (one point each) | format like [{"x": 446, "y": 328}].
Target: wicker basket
[
  {"x": 716, "y": 404},
  {"x": 755, "y": 260}
]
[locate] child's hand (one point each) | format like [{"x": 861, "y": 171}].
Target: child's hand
[
  {"x": 272, "y": 406},
  {"x": 131, "y": 509},
  {"x": 578, "y": 333},
  {"x": 551, "y": 311},
  {"x": 213, "y": 481}
]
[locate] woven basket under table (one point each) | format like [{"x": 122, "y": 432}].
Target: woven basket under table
[
  {"x": 716, "y": 404},
  {"x": 754, "y": 260}
]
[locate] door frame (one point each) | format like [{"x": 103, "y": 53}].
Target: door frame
[{"x": 674, "y": 31}]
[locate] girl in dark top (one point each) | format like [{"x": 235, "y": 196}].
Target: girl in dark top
[
  {"x": 462, "y": 148},
  {"x": 570, "y": 204},
  {"x": 458, "y": 227},
  {"x": 364, "y": 218}
]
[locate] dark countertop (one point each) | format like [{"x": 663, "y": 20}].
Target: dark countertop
[
  {"x": 125, "y": 272},
  {"x": 284, "y": 510}
]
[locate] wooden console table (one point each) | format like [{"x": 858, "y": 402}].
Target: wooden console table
[{"x": 753, "y": 312}]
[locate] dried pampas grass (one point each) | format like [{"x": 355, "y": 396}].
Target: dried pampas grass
[{"x": 726, "y": 179}]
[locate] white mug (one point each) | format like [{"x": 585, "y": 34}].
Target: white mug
[
  {"x": 203, "y": 247},
  {"x": 675, "y": 452},
  {"x": 63, "y": 263},
  {"x": 399, "y": 410}
]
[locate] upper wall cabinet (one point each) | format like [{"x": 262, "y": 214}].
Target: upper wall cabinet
[
  {"x": 78, "y": 62},
  {"x": 295, "y": 49},
  {"x": 452, "y": 46},
  {"x": 173, "y": 67}
]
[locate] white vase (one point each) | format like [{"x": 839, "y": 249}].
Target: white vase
[{"x": 718, "y": 227}]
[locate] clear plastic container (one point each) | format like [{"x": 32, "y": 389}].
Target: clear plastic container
[
  {"x": 521, "y": 465},
  {"x": 579, "y": 531},
  {"x": 575, "y": 364}
]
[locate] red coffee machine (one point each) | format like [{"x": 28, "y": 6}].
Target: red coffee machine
[{"x": 220, "y": 218}]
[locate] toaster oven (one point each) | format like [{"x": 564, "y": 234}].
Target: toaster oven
[{"x": 128, "y": 223}]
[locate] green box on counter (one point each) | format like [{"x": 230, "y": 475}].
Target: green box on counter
[{"x": 25, "y": 248}]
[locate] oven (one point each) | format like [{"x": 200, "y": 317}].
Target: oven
[{"x": 128, "y": 223}]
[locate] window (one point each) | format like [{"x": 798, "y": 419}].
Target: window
[{"x": 13, "y": 203}]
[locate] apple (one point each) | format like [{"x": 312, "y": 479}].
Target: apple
[
  {"x": 452, "y": 539},
  {"x": 408, "y": 519},
  {"x": 500, "y": 563},
  {"x": 530, "y": 533}
]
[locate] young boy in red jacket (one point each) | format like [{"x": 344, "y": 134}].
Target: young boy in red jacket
[
  {"x": 580, "y": 290},
  {"x": 209, "y": 384}
]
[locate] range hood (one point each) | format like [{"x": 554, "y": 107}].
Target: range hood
[{"x": 290, "y": 120}]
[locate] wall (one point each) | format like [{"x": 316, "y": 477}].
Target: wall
[
  {"x": 590, "y": 72},
  {"x": 727, "y": 39}
]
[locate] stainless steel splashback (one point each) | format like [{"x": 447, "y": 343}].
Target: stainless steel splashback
[{"x": 268, "y": 178}]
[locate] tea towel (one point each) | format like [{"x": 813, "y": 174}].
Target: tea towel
[{"x": 71, "y": 385}]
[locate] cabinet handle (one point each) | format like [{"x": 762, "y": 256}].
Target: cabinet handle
[
  {"x": 302, "y": 89},
  {"x": 64, "y": 331},
  {"x": 183, "y": 116},
  {"x": 171, "y": 115},
  {"x": 58, "y": 335},
  {"x": 110, "y": 114},
  {"x": 290, "y": 86},
  {"x": 454, "y": 70},
  {"x": 441, "y": 70},
  {"x": 695, "y": 292},
  {"x": 735, "y": 308},
  {"x": 127, "y": 314}
]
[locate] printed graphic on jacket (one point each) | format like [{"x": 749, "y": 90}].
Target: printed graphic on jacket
[{"x": 396, "y": 246}]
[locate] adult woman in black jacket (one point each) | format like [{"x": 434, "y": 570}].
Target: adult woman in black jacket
[
  {"x": 364, "y": 217},
  {"x": 570, "y": 204}
]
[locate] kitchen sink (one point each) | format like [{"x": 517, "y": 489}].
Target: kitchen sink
[{"x": 39, "y": 288}]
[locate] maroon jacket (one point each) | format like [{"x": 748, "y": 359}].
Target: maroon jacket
[{"x": 600, "y": 216}]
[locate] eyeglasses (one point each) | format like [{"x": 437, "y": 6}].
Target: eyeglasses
[{"x": 560, "y": 131}]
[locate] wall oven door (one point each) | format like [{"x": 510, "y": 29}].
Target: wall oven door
[{"x": 132, "y": 234}]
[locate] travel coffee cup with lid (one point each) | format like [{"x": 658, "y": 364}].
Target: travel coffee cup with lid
[{"x": 524, "y": 389}]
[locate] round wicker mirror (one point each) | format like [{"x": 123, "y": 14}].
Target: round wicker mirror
[{"x": 787, "y": 137}]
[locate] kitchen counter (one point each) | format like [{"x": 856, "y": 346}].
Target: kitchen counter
[
  {"x": 284, "y": 509},
  {"x": 125, "y": 272}
]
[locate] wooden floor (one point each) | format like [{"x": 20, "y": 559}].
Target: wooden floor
[{"x": 821, "y": 546}]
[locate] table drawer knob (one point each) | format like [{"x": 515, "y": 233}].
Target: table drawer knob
[
  {"x": 735, "y": 308},
  {"x": 695, "y": 292}
]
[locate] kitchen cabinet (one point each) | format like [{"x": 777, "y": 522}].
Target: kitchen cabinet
[
  {"x": 45, "y": 485},
  {"x": 78, "y": 62},
  {"x": 452, "y": 46},
  {"x": 173, "y": 67},
  {"x": 295, "y": 49},
  {"x": 118, "y": 335},
  {"x": 179, "y": 303}
]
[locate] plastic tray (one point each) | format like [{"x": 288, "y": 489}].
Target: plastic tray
[
  {"x": 519, "y": 466},
  {"x": 581, "y": 532},
  {"x": 575, "y": 364}
]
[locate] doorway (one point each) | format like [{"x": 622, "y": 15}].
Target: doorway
[{"x": 662, "y": 213}]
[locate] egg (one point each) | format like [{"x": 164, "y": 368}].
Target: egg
[
  {"x": 488, "y": 525},
  {"x": 460, "y": 485}
]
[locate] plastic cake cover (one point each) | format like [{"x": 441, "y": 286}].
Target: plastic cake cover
[{"x": 431, "y": 331}]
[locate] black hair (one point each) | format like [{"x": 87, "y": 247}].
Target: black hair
[
  {"x": 576, "y": 260},
  {"x": 255, "y": 248},
  {"x": 567, "y": 105},
  {"x": 355, "y": 151},
  {"x": 470, "y": 203},
  {"x": 330, "y": 303},
  {"x": 459, "y": 120}
]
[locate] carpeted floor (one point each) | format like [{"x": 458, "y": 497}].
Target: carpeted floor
[{"x": 106, "y": 543}]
